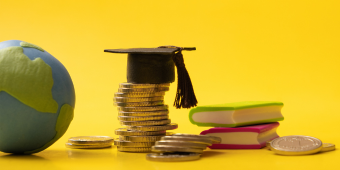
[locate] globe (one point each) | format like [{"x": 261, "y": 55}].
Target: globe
[{"x": 37, "y": 98}]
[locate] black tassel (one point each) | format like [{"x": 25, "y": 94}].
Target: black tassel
[{"x": 185, "y": 96}]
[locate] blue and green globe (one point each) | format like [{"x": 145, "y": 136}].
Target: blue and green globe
[{"x": 37, "y": 98}]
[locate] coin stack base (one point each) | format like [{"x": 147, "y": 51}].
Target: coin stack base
[{"x": 141, "y": 109}]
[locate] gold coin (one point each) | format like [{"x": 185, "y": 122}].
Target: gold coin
[
  {"x": 137, "y": 99},
  {"x": 143, "y": 90},
  {"x": 125, "y": 132},
  {"x": 151, "y": 113},
  {"x": 268, "y": 145},
  {"x": 214, "y": 139},
  {"x": 164, "y": 148},
  {"x": 191, "y": 139},
  {"x": 133, "y": 149},
  {"x": 327, "y": 147},
  {"x": 172, "y": 157},
  {"x": 145, "y": 123},
  {"x": 72, "y": 146},
  {"x": 133, "y": 85},
  {"x": 123, "y": 143},
  {"x": 143, "y": 109},
  {"x": 181, "y": 144},
  {"x": 90, "y": 140},
  {"x": 139, "y": 104},
  {"x": 141, "y": 138},
  {"x": 142, "y": 118},
  {"x": 296, "y": 145},
  {"x": 154, "y": 128},
  {"x": 139, "y": 94}
]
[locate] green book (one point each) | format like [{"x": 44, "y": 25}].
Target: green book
[{"x": 236, "y": 114}]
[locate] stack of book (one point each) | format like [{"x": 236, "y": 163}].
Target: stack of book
[{"x": 241, "y": 125}]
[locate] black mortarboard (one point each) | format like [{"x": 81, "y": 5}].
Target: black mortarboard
[{"x": 157, "y": 65}]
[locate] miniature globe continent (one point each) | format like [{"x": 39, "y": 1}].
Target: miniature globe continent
[{"x": 37, "y": 98}]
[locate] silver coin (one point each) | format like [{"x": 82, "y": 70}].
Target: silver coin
[
  {"x": 139, "y": 104},
  {"x": 172, "y": 157},
  {"x": 214, "y": 139},
  {"x": 181, "y": 144},
  {"x": 143, "y": 109},
  {"x": 90, "y": 140},
  {"x": 189, "y": 139},
  {"x": 296, "y": 145},
  {"x": 164, "y": 148},
  {"x": 133, "y": 85},
  {"x": 145, "y": 123},
  {"x": 171, "y": 126},
  {"x": 125, "y": 132},
  {"x": 137, "y": 99},
  {"x": 150, "y": 113},
  {"x": 73, "y": 146},
  {"x": 139, "y": 94},
  {"x": 142, "y": 118},
  {"x": 143, "y": 90}
]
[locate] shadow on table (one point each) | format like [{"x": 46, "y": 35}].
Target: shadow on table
[
  {"x": 90, "y": 153},
  {"x": 211, "y": 153},
  {"x": 22, "y": 157}
]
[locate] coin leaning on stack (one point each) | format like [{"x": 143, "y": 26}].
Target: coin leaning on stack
[
  {"x": 181, "y": 147},
  {"x": 142, "y": 111}
]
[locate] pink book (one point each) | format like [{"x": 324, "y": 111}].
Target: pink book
[{"x": 247, "y": 137}]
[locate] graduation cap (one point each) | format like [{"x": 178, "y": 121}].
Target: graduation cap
[{"x": 157, "y": 65}]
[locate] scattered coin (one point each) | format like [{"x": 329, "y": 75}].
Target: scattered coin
[
  {"x": 142, "y": 118},
  {"x": 133, "y": 149},
  {"x": 296, "y": 145},
  {"x": 125, "y": 132},
  {"x": 123, "y": 143},
  {"x": 153, "y": 128},
  {"x": 164, "y": 148},
  {"x": 268, "y": 145},
  {"x": 181, "y": 144},
  {"x": 143, "y": 109},
  {"x": 145, "y": 123},
  {"x": 139, "y": 94},
  {"x": 72, "y": 146},
  {"x": 327, "y": 147},
  {"x": 139, "y": 104},
  {"x": 172, "y": 157},
  {"x": 90, "y": 140},
  {"x": 133, "y": 85},
  {"x": 214, "y": 139},
  {"x": 151, "y": 113},
  {"x": 144, "y": 90},
  {"x": 188, "y": 139},
  {"x": 141, "y": 138},
  {"x": 137, "y": 99}
]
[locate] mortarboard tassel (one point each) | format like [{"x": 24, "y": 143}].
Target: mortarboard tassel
[{"x": 185, "y": 96}]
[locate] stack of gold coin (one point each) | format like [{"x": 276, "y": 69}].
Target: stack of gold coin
[
  {"x": 89, "y": 142},
  {"x": 298, "y": 145},
  {"x": 142, "y": 111},
  {"x": 181, "y": 147}
]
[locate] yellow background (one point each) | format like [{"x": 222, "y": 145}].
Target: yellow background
[{"x": 283, "y": 50}]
